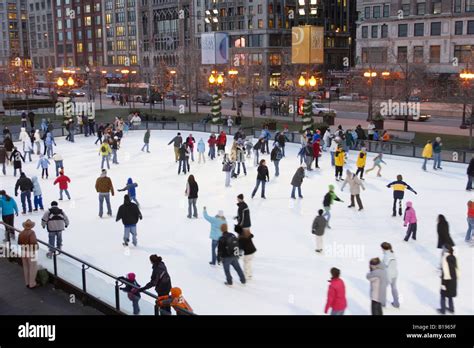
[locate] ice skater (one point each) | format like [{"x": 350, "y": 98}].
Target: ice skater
[
  {"x": 130, "y": 187},
  {"x": 377, "y": 163},
  {"x": 399, "y": 186}
]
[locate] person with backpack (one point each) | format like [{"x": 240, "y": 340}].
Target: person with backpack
[
  {"x": 377, "y": 277},
  {"x": 55, "y": 220},
  {"x": 410, "y": 220},
  {"x": 354, "y": 185},
  {"x": 191, "y": 192},
  {"x": 104, "y": 188},
  {"x": 360, "y": 163},
  {"x": 9, "y": 209},
  {"x": 63, "y": 182},
  {"x": 28, "y": 249},
  {"x": 105, "y": 152},
  {"x": 146, "y": 141},
  {"x": 37, "y": 194},
  {"x": 275, "y": 156},
  {"x": 130, "y": 187},
  {"x": 248, "y": 248},
  {"x": 44, "y": 164},
  {"x": 336, "y": 299},
  {"x": 399, "y": 186},
  {"x": 297, "y": 181},
  {"x": 160, "y": 279},
  {"x": 319, "y": 225},
  {"x": 227, "y": 168},
  {"x": 131, "y": 288},
  {"x": 328, "y": 200},
  {"x": 262, "y": 177},
  {"x": 228, "y": 254},
  {"x": 216, "y": 223},
  {"x": 58, "y": 163},
  {"x": 390, "y": 264},
  {"x": 129, "y": 213},
  {"x": 201, "y": 149},
  {"x": 26, "y": 187},
  {"x": 177, "y": 141},
  {"x": 16, "y": 157}
]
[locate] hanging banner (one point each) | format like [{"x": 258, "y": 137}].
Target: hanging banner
[
  {"x": 214, "y": 48},
  {"x": 307, "y": 45}
]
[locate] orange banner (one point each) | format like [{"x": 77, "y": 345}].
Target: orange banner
[{"x": 307, "y": 45}]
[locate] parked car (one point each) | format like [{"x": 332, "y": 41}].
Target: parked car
[
  {"x": 350, "y": 97},
  {"x": 203, "y": 99},
  {"x": 320, "y": 109},
  {"x": 231, "y": 94},
  {"x": 78, "y": 93},
  {"x": 416, "y": 118}
]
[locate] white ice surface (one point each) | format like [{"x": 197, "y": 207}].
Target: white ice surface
[{"x": 289, "y": 277}]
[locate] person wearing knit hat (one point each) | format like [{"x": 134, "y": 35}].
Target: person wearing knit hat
[
  {"x": 329, "y": 199},
  {"x": 243, "y": 215},
  {"x": 216, "y": 223},
  {"x": 175, "y": 300},
  {"x": 131, "y": 287},
  {"x": 29, "y": 245}
]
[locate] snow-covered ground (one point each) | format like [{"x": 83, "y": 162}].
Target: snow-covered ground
[{"x": 289, "y": 277}]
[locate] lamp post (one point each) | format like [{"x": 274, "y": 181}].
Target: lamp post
[
  {"x": 216, "y": 80},
  {"x": 370, "y": 75},
  {"x": 466, "y": 78},
  {"x": 385, "y": 76},
  {"x": 233, "y": 75},
  {"x": 127, "y": 73},
  {"x": 306, "y": 84}
]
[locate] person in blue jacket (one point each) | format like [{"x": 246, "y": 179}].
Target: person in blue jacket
[
  {"x": 44, "y": 164},
  {"x": 216, "y": 223},
  {"x": 201, "y": 149},
  {"x": 9, "y": 210},
  {"x": 130, "y": 186}
]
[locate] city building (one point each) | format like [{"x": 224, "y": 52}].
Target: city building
[
  {"x": 436, "y": 34},
  {"x": 41, "y": 36},
  {"x": 13, "y": 32}
]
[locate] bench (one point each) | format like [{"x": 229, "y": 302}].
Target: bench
[
  {"x": 401, "y": 137},
  {"x": 22, "y": 104}
]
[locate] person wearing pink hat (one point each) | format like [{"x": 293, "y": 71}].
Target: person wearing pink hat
[{"x": 131, "y": 287}]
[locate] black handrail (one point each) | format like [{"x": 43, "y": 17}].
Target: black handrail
[{"x": 86, "y": 265}]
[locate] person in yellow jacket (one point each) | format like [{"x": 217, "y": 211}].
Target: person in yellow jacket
[
  {"x": 105, "y": 152},
  {"x": 339, "y": 159},
  {"x": 427, "y": 153},
  {"x": 361, "y": 159}
]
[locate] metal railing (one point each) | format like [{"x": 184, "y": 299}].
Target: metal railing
[{"x": 86, "y": 265}]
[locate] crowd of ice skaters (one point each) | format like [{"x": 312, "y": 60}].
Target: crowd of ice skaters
[{"x": 226, "y": 247}]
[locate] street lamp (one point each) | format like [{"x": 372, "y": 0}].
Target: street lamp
[
  {"x": 127, "y": 72},
  {"x": 385, "y": 76},
  {"x": 70, "y": 81},
  {"x": 60, "y": 82},
  {"x": 467, "y": 77},
  {"x": 233, "y": 75},
  {"x": 212, "y": 17},
  {"x": 216, "y": 101},
  {"x": 370, "y": 75}
]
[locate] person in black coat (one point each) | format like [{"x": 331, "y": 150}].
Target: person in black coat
[
  {"x": 448, "y": 280},
  {"x": 160, "y": 279},
  {"x": 470, "y": 175},
  {"x": 247, "y": 246},
  {"x": 262, "y": 177},
  {"x": 16, "y": 157},
  {"x": 243, "y": 214},
  {"x": 192, "y": 190},
  {"x": 183, "y": 153},
  {"x": 443, "y": 233},
  {"x": 26, "y": 187},
  {"x": 129, "y": 213},
  {"x": 297, "y": 181}
]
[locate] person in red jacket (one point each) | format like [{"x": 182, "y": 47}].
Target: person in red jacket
[
  {"x": 221, "y": 142},
  {"x": 63, "y": 182},
  {"x": 336, "y": 294},
  {"x": 212, "y": 141},
  {"x": 316, "y": 151}
]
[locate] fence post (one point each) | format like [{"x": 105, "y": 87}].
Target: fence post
[
  {"x": 117, "y": 297},
  {"x": 55, "y": 264},
  {"x": 414, "y": 150},
  {"x": 84, "y": 278},
  {"x": 391, "y": 148}
]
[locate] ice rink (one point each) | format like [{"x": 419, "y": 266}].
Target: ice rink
[{"x": 289, "y": 276}]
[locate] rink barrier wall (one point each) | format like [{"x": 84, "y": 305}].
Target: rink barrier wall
[{"x": 86, "y": 297}]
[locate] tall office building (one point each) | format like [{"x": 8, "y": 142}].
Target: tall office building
[{"x": 13, "y": 32}]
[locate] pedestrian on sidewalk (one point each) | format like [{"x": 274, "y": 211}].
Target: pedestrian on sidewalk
[{"x": 28, "y": 251}]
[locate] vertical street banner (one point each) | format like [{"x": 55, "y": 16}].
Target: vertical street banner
[
  {"x": 214, "y": 48},
  {"x": 307, "y": 45}
]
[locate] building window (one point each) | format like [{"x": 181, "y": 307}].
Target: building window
[
  {"x": 376, "y": 12},
  {"x": 402, "y": 54},
  {"x": 464, "y": 53},
  {"x": 260, "y": 24},
  {"x": 366, "y": 12},
  {"x": 402, "y": 30},
  {"x": 419, "y": 29},
  {"x": 421, "y": 8},
  {"x": 270, "y": 23},
  {"x": 89, "y": 34},
  {"x": 259, "y": 9},
  {"x": 436, "y": 7},
  {"x": 386, "y": 11},
  {"x": 458, "y": 28},
  {"x": 121, "y": 45},
  {"x": 79, "y": 48},
  {"x": 255, "y": 59},
  {"x": 120, "y": 17},
  {"x": 60, "y": 25},
  {"x": 87, "y": 9},
  {"x": 132, "y": 30},
  {"x": 365, "y": 32},
  {"x": 98, "y": 33},
  {"x": 418, "y": 54},
  {"x": 469, "y": 5},
  {"x": 120, "y": 30},
  {"x": 436, "y": 28},
  {"x": 131, "y": 16},
  {"x": 374, "y": 55},
  {"x": 435, "y": 53},
  {"x": 457, "y": 6},
  {"x": 108, "y": 5},
  {"x": 89, "y": 47},
  {"x": 374, "y": 31},
  {"x": 274, "y": 58},
  {"x": 384, "y": 31},
  {"x": 406, "y": 9},
  {"x": 88, "y": 21},
  {"x": 119, "y": 3},
  {"x": 470, "y": 27}
]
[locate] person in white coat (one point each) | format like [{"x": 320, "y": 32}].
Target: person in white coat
[
  {"x": 24, "y": 138},
  {"x": 333, "y": 148},
  {"x": 37, "y": 139},
  {"x": 354, "y": 184},
  {"x": 327, "y": 137},
  {"x": 390, "y": 263}
]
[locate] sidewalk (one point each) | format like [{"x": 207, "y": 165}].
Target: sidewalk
[{"x": 17, "y": 299}]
